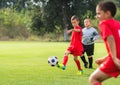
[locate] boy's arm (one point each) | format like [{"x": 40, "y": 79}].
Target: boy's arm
[
  {"x": 96, "y": 35},
  {"x": 112, "y": 47},
  {"x": 69, "y": 31},
  {"x": 76, "y": 30},
  {"x": 99, "y": 61}
]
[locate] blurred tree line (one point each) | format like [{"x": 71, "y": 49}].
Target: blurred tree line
[{"x": 19, "y": 19}]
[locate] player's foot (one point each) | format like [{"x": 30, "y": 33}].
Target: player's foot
[
  {"x": 86, "y": 65},
  {"x": 61, "y": 66},
  {"x": 80, "y": 72},
  {"x": 90, "y": 67}
]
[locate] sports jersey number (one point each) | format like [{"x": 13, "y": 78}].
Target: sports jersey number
[{"x": 119, "y": 33}]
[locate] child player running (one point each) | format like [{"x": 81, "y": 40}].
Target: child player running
[
  {"x": 75, "y": 48},
  {"x": 109, "y": 66}
]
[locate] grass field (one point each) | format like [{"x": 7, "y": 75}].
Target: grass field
[{"x": 25, "y": 63}]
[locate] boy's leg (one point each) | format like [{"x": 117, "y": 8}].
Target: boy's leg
[
  {"x": 83, "y": 57},
  {"x": 77, "y": 63},
  {"x": 84, "y": 61},
  {"x": 90, "y": 59},
  {"x": 65, "y": 60},
  {"x": 80, "y": 71},
  {"x": 97, "y": 77},
  {"x": 90, "y": 53}
]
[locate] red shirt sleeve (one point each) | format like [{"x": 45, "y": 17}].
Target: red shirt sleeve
[
  {"x": 78, "y": 27},
  {"x": 105, "y": 30}
]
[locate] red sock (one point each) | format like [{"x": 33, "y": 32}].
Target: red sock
[
  {"x": 65, "y": 60},
  {"x": 78, "y": 64},
  {"x": 98, "y": 83}
]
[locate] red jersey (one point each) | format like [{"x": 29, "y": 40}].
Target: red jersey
[
  {"x": 107, "y": 28},
  {"x": 111, "y": 27},
  {"x": 76, "y": 47}
]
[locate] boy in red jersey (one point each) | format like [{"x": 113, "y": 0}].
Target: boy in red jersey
[
  {"x": 75, "y": 48},
  {"x": 109, "y": 66}
]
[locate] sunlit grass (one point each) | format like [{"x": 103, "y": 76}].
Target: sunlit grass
[{"x": 25, "y": 63}]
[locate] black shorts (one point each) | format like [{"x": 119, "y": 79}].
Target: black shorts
[{"x": 89, "y": 49}]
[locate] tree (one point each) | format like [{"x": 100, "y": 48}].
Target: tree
[
  {"x": 51, "y": 15},
  {"x": 58, "y": 13},
  {"x": 37, "y": 25},
  {"x": 15, "y": 4}
]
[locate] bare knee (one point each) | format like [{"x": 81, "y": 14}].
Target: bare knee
[
  {"x": 75, "y": 58},
  {"x": 94, "y": 77},
  {"x": 66, "y": 53},
  {"x": 97, "y": 77}
]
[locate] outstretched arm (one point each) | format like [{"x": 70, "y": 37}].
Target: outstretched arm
[
  {"x": 69, "y": 31},
  {"x": 76, "y": 30}
]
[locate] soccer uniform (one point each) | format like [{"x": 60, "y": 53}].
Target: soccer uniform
[
  {"x": 107, "y": 28},
  {"x": 88, "y": 38},
  {"x": 76, "y": 47}
]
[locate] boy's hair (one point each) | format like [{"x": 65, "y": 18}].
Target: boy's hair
[
  {"x": 74, "y": 17},
  {"x": 108, "y": 6},
  {"x": 88, "y": 19}
]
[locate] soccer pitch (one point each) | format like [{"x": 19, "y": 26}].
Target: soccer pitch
[{"x": 25, "y": 63}]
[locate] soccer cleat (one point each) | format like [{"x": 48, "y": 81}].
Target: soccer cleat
[
  {"x": 80, "y": 72},
  {"x": 90, "y": 67},
  {"x": 86, "y": 65},
  {"x": 61, "y": 66}
]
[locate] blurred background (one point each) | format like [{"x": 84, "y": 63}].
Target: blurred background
[{"x": 44, "y": 20}]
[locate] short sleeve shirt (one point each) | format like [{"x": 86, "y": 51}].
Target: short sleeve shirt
[
  {"x": 76, "y": 46},
  {"x": 111, "y": 27}
]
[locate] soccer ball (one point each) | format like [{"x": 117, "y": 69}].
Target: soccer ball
[{"x": 53, "y": 60}]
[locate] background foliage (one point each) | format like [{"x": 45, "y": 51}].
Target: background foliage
[{"x": 41, "y": 19}]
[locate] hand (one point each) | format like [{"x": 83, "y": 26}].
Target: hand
[
  {"x": 99, "y": 61},
  {"x": 91, "y": 39},
  {"x": 117, "y": 62}
]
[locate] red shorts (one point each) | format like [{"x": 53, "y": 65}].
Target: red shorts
[
  {"x": 75, "y": 51},
  {"x": 109, "y": 67}
]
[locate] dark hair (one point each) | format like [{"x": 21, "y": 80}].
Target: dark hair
[
  {"x": 74, "y": 17},
  {"x": 108, "y": 6}
]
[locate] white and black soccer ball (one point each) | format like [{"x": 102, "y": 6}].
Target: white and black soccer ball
[{"x": 53, "y": 60}]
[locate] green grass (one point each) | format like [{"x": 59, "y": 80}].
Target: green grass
[{"x": 25, "y": 63}]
